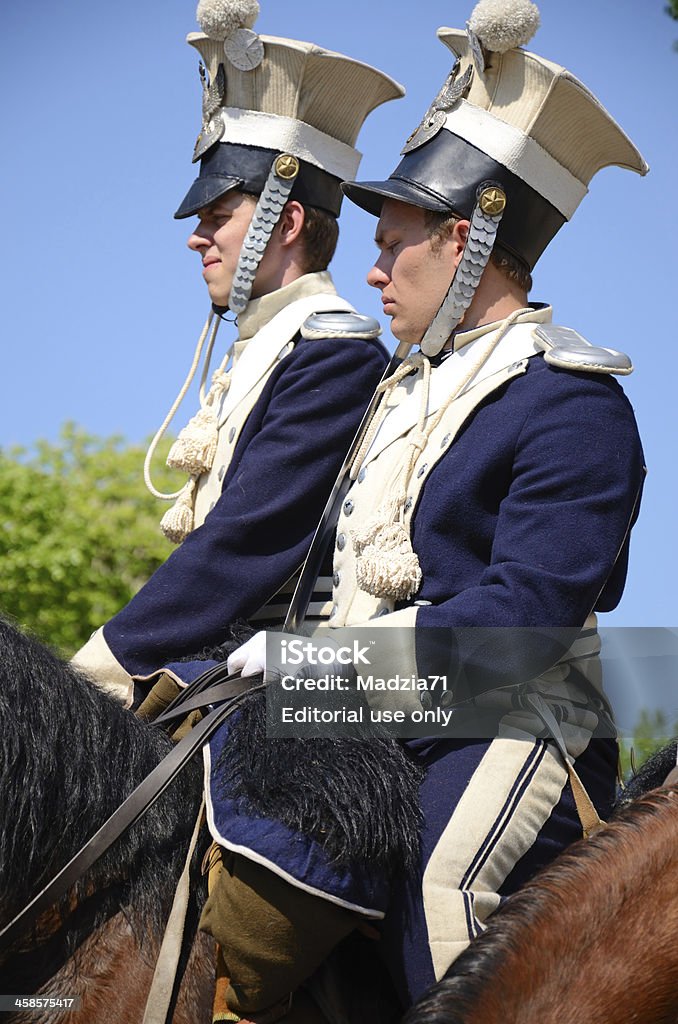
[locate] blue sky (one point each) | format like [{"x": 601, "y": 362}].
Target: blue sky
[{"x": 102, "y": 301}]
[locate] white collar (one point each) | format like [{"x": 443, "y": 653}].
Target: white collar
[
  {"x": 259, "y": 311},
  {"x": 518, "y": 343},
  {"x": 539, "y": 313}
]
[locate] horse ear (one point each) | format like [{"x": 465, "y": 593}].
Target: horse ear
[{"x": 672, "y": 778}]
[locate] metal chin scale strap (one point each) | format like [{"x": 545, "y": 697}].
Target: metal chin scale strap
[
  {"x": 276, "y": 192},
  {"x": 487, "y": 215},
  {"x": 193, "y": 451}
]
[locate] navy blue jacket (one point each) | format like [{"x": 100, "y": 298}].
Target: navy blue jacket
[
  {"x": 525, "y": 520},
  {"x": 257, "y": 535}
]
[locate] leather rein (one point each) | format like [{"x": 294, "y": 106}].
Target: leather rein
[{"x": 215, "y": 686}]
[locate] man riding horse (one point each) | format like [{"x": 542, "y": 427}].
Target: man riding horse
[
  {"x": 489, "y": 511},
  {"x": 280, "y": 120}
]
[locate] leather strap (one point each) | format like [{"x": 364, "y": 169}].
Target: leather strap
[
  {"x": 210, "y": 677},
  {"x": 130, "y": 811},
  {"x": 588, "y": 816},
  {"x": 166, "y": 974},
  {"x": 233, "y": 686}
]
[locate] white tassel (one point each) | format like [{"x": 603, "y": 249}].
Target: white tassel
[
  {"x": 196, "y": 445},
  {"x": 177, "y": 522},
  {"x": 386, "y": 564}
]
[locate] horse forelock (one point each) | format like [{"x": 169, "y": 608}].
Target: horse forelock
[
  {"x": 563, "y": 947},
  {"x": 69, "y": 755}
]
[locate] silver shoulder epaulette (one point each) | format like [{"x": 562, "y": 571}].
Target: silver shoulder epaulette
[
  {"x": 340, "y": 325},
  {"x": 565, "y": 348}
]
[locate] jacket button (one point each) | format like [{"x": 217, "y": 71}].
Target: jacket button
[
  {"x": 445, "y": 441},
  {"x": 348, "y": 507},
  {"x": 422, "y": 470},
  {"x": 334, "y": 611},
  {"x": 221, "y": 473},
  {"x": 361, "y": 475},
  {"x": 336, "y": 579},
  {"x": 341, "y": 541},
  {"x": 231, "y": 435},
  {"x": 408, "y": 505}
]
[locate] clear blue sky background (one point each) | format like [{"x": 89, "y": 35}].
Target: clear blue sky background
[{"x": 102, "y": 302}]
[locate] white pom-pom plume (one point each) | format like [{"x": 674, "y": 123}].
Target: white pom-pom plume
[
  {"x": 502, "y": 25},
  {"x": 221, "y": 18}
]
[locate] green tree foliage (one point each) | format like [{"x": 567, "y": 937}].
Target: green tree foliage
[
  {"x": 672, "y": 10},
  {"x": 79, "y": 533}
]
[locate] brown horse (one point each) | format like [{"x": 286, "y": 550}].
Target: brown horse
[
  {"x": 69, "y": 755},
  {"x": 591, "y": 938}
]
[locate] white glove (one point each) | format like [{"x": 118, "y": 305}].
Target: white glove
[{"x": 250, "y": 659}]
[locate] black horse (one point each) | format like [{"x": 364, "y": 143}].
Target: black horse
[{"x": 69, "y": 755}]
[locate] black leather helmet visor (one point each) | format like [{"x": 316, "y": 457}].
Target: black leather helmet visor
[
  {"x": 443, "y": 175},
  {"x": 229, "y": 166}
]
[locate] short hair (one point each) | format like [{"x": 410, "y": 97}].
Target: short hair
[
  {"x": 440, "y": 226},
  {"x": 319, "y": 237}
]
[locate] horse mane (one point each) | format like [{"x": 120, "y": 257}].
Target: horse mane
[
  {"x": 650, "y": 775},
  {"x": 69, "y": 755},
  {"x": 563, "y": 948}
]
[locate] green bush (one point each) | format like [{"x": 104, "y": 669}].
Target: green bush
[{"x": 79, "y": 533}]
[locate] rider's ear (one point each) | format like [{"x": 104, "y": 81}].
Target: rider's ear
[
  {"x": 459, "y": 238},
  {"x": 291, "y": 222}
]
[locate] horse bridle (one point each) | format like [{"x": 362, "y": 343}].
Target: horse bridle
[{"x": 215, "y": 686}]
